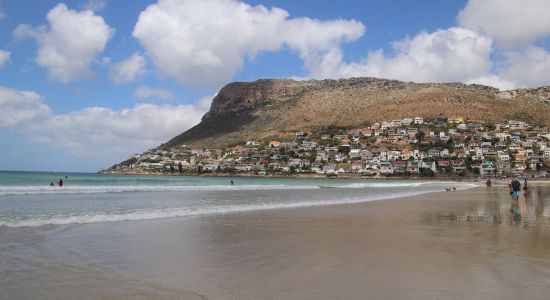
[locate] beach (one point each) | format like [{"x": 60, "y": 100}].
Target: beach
[{"x": 446, "y": 245}]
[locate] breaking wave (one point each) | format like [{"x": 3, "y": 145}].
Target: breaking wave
[
  {"x": 162, "y": 213},
  {"x": 97, "y": 189},
  {"x": 90, "y": 189}
]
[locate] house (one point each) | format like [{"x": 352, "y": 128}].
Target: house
[
  {"x": 396, "y": 123},
  {"x": 386, "y": 168},
  {"x": 365, "y": 154},
  {"x": 329, "y": 168},
  {"x": 443, "y": 163},
  {"x": 413, "y": 167},
  {"x": 487, "y": 168},
  {"x": 504, "y": 156},
  {"x": 462, "y": 126},
  {"x": 407, "y": 121},
  {"x": 433, "y": 152},
  {"x": 503, "y": 167},
  {"x": 400, "y": 167},
  {"x": 474, "y": 126},
  {"x": 428, "y": 165},
  {"x": 546, "y": 154},
  {"x": 406, "y": 154},
  {"x": 343, "y": 168},
  {"x": 274, "y": 144},
  {"x": 444, "y": 153},
  {"x": 514, "y": 124},
  {"x": 458, "y": 165},
  {"x": 301, "y": 134},
  {"x": 418, "y": 120},
  {"x": 357, "y": 167}
]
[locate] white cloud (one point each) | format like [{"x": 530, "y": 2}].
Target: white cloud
[
  {"x": 144, "y": 92},
  {"x": 96, "y": 5},
  {"x": 205, "y": 102},
  {"x": 528, "y": 68},
  {"x": 21, "y": 109},
  {"x": 202, "y": 43},
  {"x": 512, "y": 23},
  {"x": 494, "y": 81},
  {"x": 455, "y": 54},
  {"x": 96, "y": 131},
  {"x": 4, "y": 57},
  {"x": 23, "y": 31},
  {"x": 127, "y": 70},
  {"x": 70, "y": 42}
]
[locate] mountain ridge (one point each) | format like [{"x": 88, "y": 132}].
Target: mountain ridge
[{"x": 267, "y": 107}]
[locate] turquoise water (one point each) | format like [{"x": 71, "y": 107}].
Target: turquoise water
[{"x": 27, "y": 199}]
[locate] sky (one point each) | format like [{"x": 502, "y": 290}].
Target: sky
[{"x": 86, "y": 83}]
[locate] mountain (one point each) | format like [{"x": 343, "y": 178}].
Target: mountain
[{"x": 264, "y": 108}]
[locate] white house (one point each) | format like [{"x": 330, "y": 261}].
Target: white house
[
  {"x": 418, "y": 120},
  {"x": 504, "y": 156},
  {"x": 386, "y": 167}
]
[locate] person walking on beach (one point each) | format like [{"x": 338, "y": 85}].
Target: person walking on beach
[
  {"x": 525, "y": 184},
  {"x": 516, "y": 188},
  {"x": 489, "y": 183}
]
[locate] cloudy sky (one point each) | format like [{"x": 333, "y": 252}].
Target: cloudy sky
[{"x": 85, "y": 83}]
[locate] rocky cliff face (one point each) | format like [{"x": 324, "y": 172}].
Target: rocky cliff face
[{"x": 269, "y": 107}]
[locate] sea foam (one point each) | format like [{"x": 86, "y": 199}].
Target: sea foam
[{"x": 162, "y": 213}]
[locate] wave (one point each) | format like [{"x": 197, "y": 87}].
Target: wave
[
  {"x": 95, "y": 189},
  {"x": 397, "y": 184},
  {"x": 152, "y": 214}
]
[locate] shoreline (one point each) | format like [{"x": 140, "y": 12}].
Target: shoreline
[{"x": 291, "y": 176}]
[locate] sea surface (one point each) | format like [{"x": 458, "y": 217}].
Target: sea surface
[{"x": 27, "y": 199}]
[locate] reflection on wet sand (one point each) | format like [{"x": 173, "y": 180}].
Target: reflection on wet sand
[{"x": 531, "y": 210}]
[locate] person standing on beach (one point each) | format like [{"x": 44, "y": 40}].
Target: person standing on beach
[
  {"x": 525, "y": 184},
  {"x": 516, "y": 188}
]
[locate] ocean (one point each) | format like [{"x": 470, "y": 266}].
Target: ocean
[{"x": 27, "y": 199}]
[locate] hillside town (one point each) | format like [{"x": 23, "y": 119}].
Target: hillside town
[{"x": 408, "y": 147}]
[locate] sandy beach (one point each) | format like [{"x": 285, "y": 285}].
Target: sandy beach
[{"x": 449, "y": 245}]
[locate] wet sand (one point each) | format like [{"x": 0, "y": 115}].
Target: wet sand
[{"x": 453, "y": 245}]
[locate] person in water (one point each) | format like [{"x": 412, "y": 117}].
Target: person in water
[
  {"x": 231, "y": 182},
  {"x": 51, "y": 183},
  {"x": 60, "y": 182}
]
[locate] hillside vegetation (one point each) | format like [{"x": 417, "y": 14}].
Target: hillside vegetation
[{"x": 264, "y": 108}]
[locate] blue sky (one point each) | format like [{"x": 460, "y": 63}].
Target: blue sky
[{"x": 84, "y": 84}]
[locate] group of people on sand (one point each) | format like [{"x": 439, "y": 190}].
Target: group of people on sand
[
  {"x": 515, "y": 191},
  {"x": 515, "y": 188}
]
